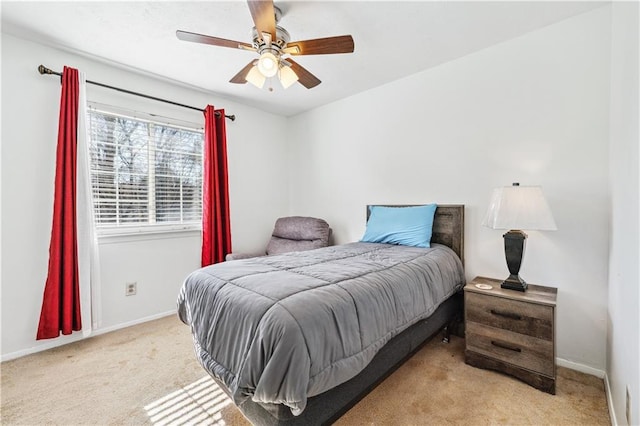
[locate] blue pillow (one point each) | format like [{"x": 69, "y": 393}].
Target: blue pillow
[{"x": 408, "y": 226}]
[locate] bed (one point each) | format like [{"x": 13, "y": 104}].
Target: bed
[{"x": 299, "y": 338}]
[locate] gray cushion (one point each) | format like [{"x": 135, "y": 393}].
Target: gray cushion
[
  {"x": 297, "y": 233},
  {"x": 301, "y": 228}
]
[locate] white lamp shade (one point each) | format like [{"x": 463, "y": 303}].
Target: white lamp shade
[
  {"x": 287, "y": 76},
  {"x": 519, "y": 207},
  {"x": 255, "y": 77}
]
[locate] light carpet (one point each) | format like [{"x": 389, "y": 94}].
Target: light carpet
[{"x": 148, "y": 374}]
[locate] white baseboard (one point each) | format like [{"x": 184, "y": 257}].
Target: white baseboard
[
  {"x": 49, "y": 344},
  {"x": 607, "y": 391},
  {"x": 134, "y": 322},
  {"x": 580, "y": 367},
  {"x": 79, "y": 336}
]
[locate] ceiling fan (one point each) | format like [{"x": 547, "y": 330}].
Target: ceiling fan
[{"x": 272, "y": 43}]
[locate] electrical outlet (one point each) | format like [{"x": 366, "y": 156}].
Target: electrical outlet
[
  {"x": 131, "y": 289},
  {"x": 628, "y": 406}
]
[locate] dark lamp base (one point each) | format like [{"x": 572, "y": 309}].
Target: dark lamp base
[
  {"x": 514, "y": 282},
  {"x": 514, "y": 243}
]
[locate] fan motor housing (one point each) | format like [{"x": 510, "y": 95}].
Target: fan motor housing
[{"x": 282, "y": 38}]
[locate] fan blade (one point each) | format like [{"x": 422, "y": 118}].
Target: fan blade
[
  {"x": 214, "y": 41},
  {"x": 264, "y": 16},
  {"x": 241, "y": 77},
  {"x": 305, "y": 78},
  {"x": 321, "y": 46}
]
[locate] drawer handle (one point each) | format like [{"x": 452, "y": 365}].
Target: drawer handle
[
  {"x": 506, "y": 346},
  {"x": 506, "y": 315}
]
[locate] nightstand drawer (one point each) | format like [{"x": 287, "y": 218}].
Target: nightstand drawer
[
  {"x": 517, "y": 316},
  {"x": 514, "y": 348}
]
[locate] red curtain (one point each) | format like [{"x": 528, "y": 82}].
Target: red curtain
[
  {"x": 216, "y": 226},
  {"x": 61, "y": 301}
]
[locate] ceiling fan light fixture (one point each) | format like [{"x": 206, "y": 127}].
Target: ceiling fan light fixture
[
  {"x": 255, "y": 77},
  {"x": 287, "y": 76},
  {"x": 268, "y": 64},
  {"x": 272, "y": 44}
]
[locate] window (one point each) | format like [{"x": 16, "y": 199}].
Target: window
[{"x": 145, "y": 175}]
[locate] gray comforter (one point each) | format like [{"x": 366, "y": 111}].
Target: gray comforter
[{"x": 280, "y": 329}]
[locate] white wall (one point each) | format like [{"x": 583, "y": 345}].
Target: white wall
[
  {"x": 532, "y": 110},
  {"x": 624, "y": 278},
  {"x": 30, "y": 105}
]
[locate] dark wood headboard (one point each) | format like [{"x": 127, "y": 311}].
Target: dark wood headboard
[{"x": 448, "y": 226}]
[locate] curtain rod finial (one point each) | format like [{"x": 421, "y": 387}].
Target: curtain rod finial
[{"x": 44, "y": 70}]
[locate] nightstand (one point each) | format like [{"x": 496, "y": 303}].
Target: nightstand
[{"x": 511, "y": 331}]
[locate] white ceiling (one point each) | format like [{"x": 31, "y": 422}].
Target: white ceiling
[{"x": 393, "y": 39}]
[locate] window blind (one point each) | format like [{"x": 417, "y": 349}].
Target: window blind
[{"x": 144, "y": 173}]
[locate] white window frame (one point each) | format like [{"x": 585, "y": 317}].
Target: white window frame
[{"x": 150, "y": 230}]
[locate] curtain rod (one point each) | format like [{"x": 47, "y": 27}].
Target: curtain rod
[{"x": 44, "y": 70}]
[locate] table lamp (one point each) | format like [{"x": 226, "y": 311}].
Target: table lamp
[{"x": 515, "y": 208}]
